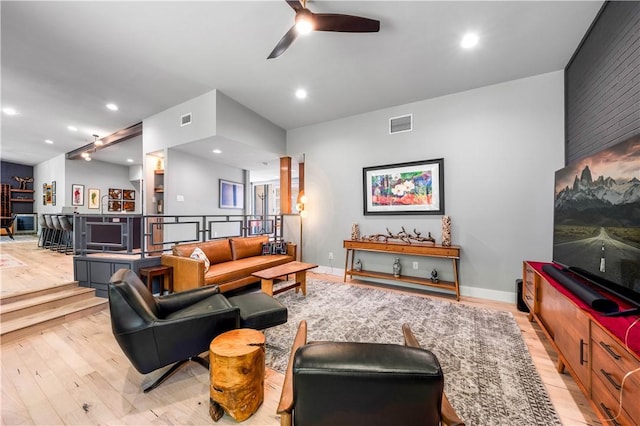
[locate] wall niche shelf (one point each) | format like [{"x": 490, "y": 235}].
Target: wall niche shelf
[{"x": 158, "y": 189}]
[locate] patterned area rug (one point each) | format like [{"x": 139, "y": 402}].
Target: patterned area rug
[
  {"x": 490, "y": 378},
  {"x": 8, "y": 261}
]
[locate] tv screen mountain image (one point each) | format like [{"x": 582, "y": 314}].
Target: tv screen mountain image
[
  {"x": 597, "y": 214},
  {"x": 603, "y": 255}
]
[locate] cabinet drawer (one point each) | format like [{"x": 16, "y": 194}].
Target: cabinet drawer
[
  {"x": 616, "y": 353},
  {"x": 608, "y": 405},
  {"x": 610, "y": 377}
]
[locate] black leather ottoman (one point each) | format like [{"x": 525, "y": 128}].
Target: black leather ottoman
[{"x": 259, "y": 310}]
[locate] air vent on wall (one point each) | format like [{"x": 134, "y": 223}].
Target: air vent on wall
[
  {"x": 401, "y": 124},
  {"x": 185, "y": 119}
]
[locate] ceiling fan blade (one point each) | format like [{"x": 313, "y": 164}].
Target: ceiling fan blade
[
  {"x": 344, "y": 23},
  {"x": 284, "y": 43},
  {"x": 295, "y": 4}
]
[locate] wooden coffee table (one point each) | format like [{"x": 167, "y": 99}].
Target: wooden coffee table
[{"x": 299, "y": 268}]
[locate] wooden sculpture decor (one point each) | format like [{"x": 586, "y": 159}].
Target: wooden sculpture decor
[
  {"x": 355, "y": 231},
  {"x": 403, "y": 236},
  {"x": 446, "y": 231},
  {"x": 23, "y": 181}
]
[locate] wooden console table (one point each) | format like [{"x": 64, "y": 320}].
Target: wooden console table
[{"x": 398, "y": 248}]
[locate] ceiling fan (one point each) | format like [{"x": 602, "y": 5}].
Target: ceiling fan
[{"x": 307, "y": 21}]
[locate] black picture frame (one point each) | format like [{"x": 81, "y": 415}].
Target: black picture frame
[{"x": 411, "y": 188}]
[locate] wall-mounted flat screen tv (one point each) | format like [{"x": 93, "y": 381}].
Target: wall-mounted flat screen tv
[{"x": 597, "y": 218}]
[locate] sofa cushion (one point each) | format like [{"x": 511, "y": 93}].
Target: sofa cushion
[
  {"x": 199, "y": 254},
  {"x": 237, "y": 269},
  {"x": 247, "y": 247},
  {"x": 217, "y": 251}
]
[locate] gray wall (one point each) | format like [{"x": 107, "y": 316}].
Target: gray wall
[
  {"x": 91, "y": 174},
  {"x": 197, "y": 183},
  {"x": 501, "y": 145},
  {"x": 98, "y": 175},
  {"x": 602, "y": 85}
]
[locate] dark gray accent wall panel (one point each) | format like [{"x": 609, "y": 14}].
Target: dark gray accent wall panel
[{"x": 602, "y": 83}]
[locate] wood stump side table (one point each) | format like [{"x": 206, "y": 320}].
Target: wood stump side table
[{"x": 237, "y": 370}]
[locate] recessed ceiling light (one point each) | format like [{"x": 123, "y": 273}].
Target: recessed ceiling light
[
  {"x": 9, "y": 111},
  {"x": 49, "y": 141},
  {"x": 87, "y": 158},
  {"x": 469, "y": 40},
  {"x": 84, "y": 155},
  {"x": 301, "y": 93},
  {"x": 112, "y": 107},
  {"x": 72, "y": 128},
  {"x": 129, "y": 160},
  {"x": 217, "y": 151}
]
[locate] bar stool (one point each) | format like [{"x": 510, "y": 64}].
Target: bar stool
[
  {"x": 149, "y": 273},
  {"x": 44, "y": 230},
  {"x": 52, "y": 234},
  {"x": 67, "y": 233},
  {"x": 58, "y": 233}
]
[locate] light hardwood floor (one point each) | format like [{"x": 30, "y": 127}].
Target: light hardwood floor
[{"x": 77, "y": 374}]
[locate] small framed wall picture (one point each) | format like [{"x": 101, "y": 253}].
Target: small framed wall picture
[
  {"x": 77, "y": 195},
  {"x": 94, "y": 198},
  {"x": 128, "y": 194},
  {"x": 115, "y": 194}
]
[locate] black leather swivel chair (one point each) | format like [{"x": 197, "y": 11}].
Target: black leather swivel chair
[
  {"x": 154, "y": 332},
  {"x": 176, "y": 328},
  {"x": 347, "y": 383}
]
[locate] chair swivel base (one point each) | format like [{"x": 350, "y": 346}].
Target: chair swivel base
[{"x": 203, "y": 362}]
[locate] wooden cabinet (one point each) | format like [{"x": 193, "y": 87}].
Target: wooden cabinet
[
  {"x": 611, "y": 362},
  {"x": 427, "y": 250},
  {"x": 595, "y": 358},
  {"x": 528, "y": 288},
  {"x": 568, "y": 328}
]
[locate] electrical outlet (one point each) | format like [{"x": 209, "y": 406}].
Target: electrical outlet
[
  {"x": 415, "y": 265},
  {"x": 330, "y": 255}
]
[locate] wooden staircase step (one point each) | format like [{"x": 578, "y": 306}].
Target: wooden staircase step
[
  {"x": 42, "y": 301},
  {"x": 28, "y": 294},
  {"x": 30, "y": 324}
]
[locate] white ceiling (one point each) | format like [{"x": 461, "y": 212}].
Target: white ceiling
[{"x": 63, "y": 61}]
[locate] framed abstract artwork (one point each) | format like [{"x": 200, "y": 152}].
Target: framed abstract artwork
[
  {"x": 231, "y": 195},
  {"x": 415, "y": 188},
  {"x": 77, "y": 195}
]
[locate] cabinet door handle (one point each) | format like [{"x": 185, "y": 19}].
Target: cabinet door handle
[
  {"x": 608, "y": 349},
  {"x": 610, "y": 379},
  {"x": 582, "y": 345},
  {"x": 609, "y": 414}
]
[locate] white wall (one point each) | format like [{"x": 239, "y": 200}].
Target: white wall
[
  {"x": 163, "y": 130},
  {"x": 47, "y": 172},
  {"x": 501, "y": 145}
]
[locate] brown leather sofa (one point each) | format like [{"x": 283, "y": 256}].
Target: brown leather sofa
[{"x": 232, "y": 261}]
